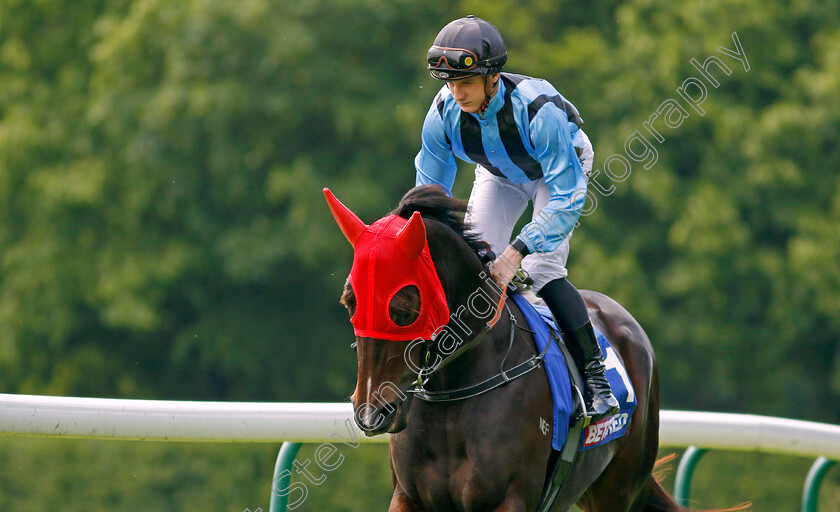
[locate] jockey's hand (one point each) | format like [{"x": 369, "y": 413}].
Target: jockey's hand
[{"x": 505, "y": 266}]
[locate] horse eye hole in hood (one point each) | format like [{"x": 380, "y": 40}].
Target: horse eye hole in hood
[{"x": 405, "y": 306}]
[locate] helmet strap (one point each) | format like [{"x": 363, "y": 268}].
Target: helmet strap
[
  {"x": 483, "y": 106},
  {"x": 488, "y": 90}
]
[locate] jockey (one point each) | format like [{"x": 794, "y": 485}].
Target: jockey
[{"x": 526, "y": 140}]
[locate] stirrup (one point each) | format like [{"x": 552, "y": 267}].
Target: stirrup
[
  {"x": 579, "y": 418},
  {"x": 583, "y": 420},
  {"x": 611, "y": 411}
]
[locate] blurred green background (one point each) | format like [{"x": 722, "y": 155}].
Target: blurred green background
[{"x": 163, "y": 234}]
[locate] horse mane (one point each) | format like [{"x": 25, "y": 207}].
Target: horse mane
[{"x": 433, "y": 202}]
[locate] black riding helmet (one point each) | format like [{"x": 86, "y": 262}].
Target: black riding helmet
[{"x": 466, "y": 47}]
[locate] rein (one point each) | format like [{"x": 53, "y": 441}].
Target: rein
[{"x": 500, "y": 379}]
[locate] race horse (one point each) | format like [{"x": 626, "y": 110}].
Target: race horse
[{"x": 490, "y": 450}]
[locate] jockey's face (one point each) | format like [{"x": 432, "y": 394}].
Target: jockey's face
[{"x": 469, "y": 93}]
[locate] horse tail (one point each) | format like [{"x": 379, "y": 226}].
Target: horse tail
[{"x": 658, "y": 499}]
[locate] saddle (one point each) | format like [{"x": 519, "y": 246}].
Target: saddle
[{"x": 571, "y": 437}]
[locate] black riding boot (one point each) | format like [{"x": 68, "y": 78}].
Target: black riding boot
[
  {"x": 597, "y": 396},
  {"x": 569, "y": 310}
]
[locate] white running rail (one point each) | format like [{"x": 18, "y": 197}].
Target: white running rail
[{"x": 165, "y": 420}]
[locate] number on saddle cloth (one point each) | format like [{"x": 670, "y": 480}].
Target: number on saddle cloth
[{"x": 541, "y": 322}]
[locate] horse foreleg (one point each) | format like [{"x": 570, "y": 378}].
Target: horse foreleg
[
  {"x": 400, "y": 502},
  {"x": 514, "y": 501},
  {"x": 507, "y": 506}
]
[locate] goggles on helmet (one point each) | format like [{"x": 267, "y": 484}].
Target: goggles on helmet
[{"x": 452, "y": 63}]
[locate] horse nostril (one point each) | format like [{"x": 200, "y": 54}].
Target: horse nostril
[{"x": 374, "y": 419}]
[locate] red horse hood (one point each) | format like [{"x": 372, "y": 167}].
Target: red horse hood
[{"x": 390, "y": 254}]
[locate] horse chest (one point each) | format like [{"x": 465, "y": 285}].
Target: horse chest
[
  {"x": 443, "y": 481},
  {"x": 460, "y": 489}
]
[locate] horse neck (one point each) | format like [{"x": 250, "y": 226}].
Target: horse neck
[
  {"x": 477, "y": 303},
  {"x": 470, "y": 291}
]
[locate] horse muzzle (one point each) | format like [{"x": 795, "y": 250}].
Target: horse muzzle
[{"x": 375, "y": 419}]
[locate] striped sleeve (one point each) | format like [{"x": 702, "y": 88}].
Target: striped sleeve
[
  {"x": 564, "y": 177},
  {"x": 435, "y": 163}
]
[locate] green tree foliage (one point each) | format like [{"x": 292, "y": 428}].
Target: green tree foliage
[
  {"x": 164, "y": 231},
  {"x": 712, "y": 240}
]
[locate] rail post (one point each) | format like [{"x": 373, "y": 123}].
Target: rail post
[
  {"x": 282, "y": 476},
  {"x": 811, "y": 494},
  {"x": 682, "y": 484}
]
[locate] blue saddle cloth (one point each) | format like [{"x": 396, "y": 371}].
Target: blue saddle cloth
[{"x": 540, "y": 320}]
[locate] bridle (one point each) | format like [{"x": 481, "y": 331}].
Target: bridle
[{"x": 428, "y": 368}]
